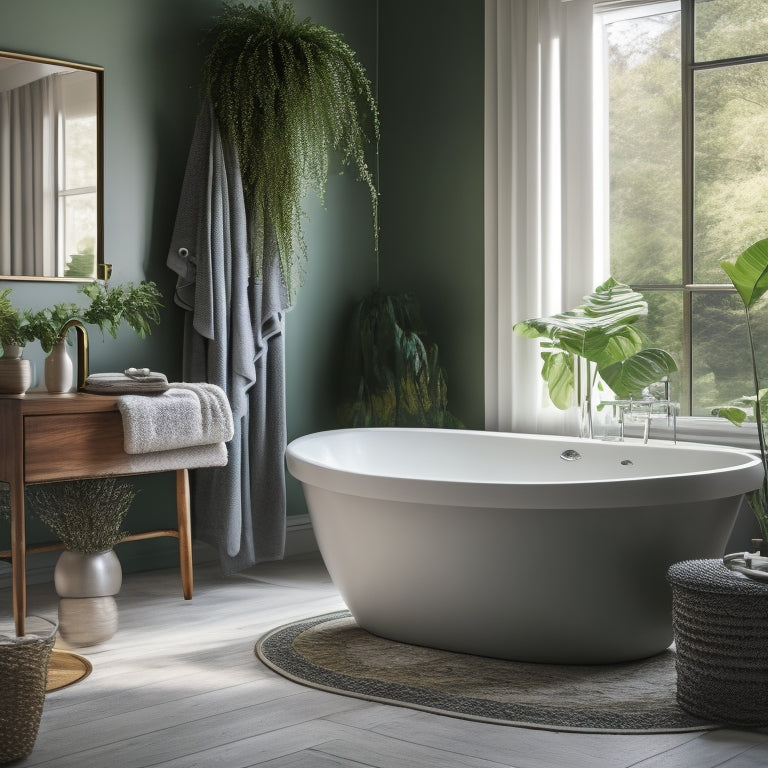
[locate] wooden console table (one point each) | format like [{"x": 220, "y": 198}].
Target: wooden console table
[{"x": 46, "y": 438}]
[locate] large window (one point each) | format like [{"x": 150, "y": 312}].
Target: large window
[{"x": 682, "y": 175}]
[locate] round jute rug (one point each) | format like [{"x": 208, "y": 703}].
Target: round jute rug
[
  {"x": 332, "y": 653},
  {"x": 66, "y": 668}
]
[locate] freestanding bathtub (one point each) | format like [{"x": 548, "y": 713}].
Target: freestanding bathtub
[{"x": 525, "y": 547}]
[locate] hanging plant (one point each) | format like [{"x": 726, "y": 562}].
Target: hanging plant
[
  {"x": 391, "y": 374},
  {"x": 286, "y": 93}
]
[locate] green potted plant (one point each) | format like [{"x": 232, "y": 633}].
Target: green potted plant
[
  {"x": 285, "y": 93},
  {"x": 391, "y": 374},
  {"x": 15, "y": 331},
  {"x": 139, "y": 305},
  {"x": 597, "y": 341},
  {"x": 87, "y": 516}
]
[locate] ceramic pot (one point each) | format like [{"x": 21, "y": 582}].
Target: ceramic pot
[
  {"x": 58, "y": 369},
  {"x": 79, "y": 575},
  {"x": 15, "y": 376}
]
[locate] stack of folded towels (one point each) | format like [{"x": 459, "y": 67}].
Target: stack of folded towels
[{"x": 169, "y": 418}]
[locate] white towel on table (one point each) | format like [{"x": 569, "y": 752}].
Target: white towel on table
[{"x": 183, "y": 416}]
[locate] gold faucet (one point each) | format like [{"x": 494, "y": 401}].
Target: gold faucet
[{"x": 82, "y": 348}]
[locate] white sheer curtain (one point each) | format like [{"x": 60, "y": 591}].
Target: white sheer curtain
[
  {"x": 28, "y": 166},
  {"x": 540, "y": 257}
]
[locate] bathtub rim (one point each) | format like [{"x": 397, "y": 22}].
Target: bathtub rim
[{"x": 686, "y": 487}]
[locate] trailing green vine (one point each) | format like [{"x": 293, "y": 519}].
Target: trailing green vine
[{"x": 286, "y": 93}]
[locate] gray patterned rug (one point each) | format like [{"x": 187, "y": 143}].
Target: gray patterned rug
[{"x": 332, "y": 653}]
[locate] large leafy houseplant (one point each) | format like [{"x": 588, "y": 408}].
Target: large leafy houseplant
[
  {"x": 286, "y": 93},
  {"x": 391, "y": 374},
  {"x": 602, "y": 332},
  {"x": 749, "y": 275}
]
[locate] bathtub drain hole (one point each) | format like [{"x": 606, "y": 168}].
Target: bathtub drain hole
[
  {"x": 570, "y": 455},
  {"x": 627, "y": 462}
]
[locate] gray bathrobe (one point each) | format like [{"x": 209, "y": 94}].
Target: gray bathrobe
[{"x": 233, "y": 337}]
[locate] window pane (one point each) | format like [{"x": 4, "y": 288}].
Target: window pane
[
  {"x": 730, "y": 164},
  {"x": 725, "y": 29},
  {"x": 644, "y": 124},
  {"x": 79, "y": 235},
  {"x": 722, "y": 368},
  {"x": 663, "y": 328},
  {"x": 80, "y": 152}
]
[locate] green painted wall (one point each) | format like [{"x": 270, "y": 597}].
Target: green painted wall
[
  {"x": 431, "y": 85},
  {"x": 151, "y": 51}
]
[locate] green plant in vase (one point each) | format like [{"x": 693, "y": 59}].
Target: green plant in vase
[
  {"x": 139, "y": 305},
  {"x": 87, "y": 516},
  {"x": 601, "y": 333},
  {"x": 15, "y": 331}
]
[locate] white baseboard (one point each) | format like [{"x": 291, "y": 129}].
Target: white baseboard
[{"x": 299, "y": 540}]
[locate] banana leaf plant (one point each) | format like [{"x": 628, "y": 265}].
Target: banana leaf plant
[
  {"x": 749, "y": 275},
  {"x": 391, "y": 374},
  {"x": 602, "y": 333}
]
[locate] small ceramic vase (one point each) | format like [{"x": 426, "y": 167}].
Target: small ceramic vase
[
  {"x": 58, "y": 369},
  {"x": 94, "y": 575}
]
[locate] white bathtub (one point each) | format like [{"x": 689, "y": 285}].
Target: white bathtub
[{"x": 492, "y": 544}]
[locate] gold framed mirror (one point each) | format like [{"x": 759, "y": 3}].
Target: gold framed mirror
[{"x": 51, "y": 169}]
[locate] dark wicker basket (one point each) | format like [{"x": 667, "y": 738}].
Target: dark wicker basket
[
  {"x": 720, "y": 621},
  {"x": 23, "y": 672}
]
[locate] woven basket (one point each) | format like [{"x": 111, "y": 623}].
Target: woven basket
[
  {"x": 720, "y": 622},
  {"x": 23, "y": 671}
]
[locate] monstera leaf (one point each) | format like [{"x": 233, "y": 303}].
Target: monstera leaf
[{"x": 601, "y": 331}]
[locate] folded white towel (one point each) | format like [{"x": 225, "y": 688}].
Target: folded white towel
[
  {"x": 182, "y": 458},
  {"x": 184, "y": 415}
]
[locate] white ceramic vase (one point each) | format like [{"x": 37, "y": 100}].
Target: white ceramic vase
[
  {"x": 58, "y": 369},
  {"x": 94, "y": 575}
]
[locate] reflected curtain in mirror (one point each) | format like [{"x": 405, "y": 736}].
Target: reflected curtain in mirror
[{"x": 28, "y": 177}]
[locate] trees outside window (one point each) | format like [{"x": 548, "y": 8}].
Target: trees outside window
[{"x": 683, "y": 132}]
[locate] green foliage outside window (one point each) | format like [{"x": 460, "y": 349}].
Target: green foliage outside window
[{"x": 729, "y": 205}]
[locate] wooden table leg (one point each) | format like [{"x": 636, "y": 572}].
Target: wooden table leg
[
  {"x": 18, "y": 557},
  {"x": 185, "y": 532}
]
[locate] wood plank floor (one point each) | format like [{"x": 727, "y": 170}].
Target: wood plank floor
[{"x": 179, "y": 686}]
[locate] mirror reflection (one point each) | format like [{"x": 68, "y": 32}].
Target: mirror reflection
[{"x": 50, "y": 169}]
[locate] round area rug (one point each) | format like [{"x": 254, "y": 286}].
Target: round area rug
[
  {"x": 333, "y": 654},
  {"x": 64, "y": 669}
]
